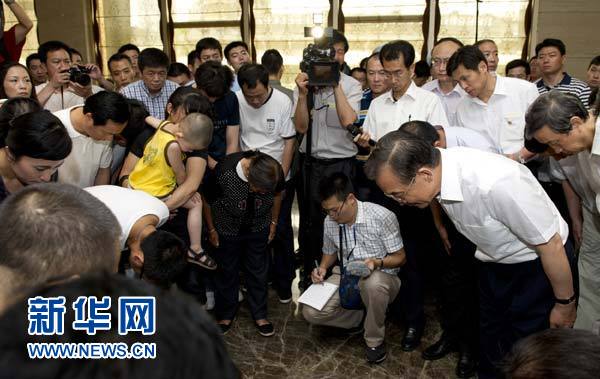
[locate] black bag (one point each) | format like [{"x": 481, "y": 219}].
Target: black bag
[{"x": 348, "y": 290}]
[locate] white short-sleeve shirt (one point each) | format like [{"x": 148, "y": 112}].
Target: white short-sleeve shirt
[
  {"x": 67, "y": 99},
  {"x": 330, "y": 140},
  {"x": 463, "y": 137},
  {"x": 386, "y": 114},
  {"x": 129, "y": 206},
  {"x": 589, "y": 165},
  {"x": 502, "y": 118},
  {"x": 498, "y": 204},
  {"x": 449, "y": 100},
  {"x": 87, "y": 155},
  {"x": 266, "y": 128}
]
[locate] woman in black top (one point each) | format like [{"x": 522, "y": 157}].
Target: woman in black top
[
  {"x": 36, "y": 145},
  {"x": 244, "y": 212}
]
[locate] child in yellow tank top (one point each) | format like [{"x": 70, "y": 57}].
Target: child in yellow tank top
[{"x": 161, "y": 169}]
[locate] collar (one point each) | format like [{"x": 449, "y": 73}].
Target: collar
[
  {"x": 457, "y": 89},
  {"x": 450, "y": 191},
  {"x": 273, "y": 82},
  {"x": 411, "y": 92},
  {"x": 360, "y": 213},
  {"x": 145, "y": 89},
  {"x": 240, "y": 171},
  {"x": 499, "y": 90},
  {"x": 596, "y": 144},
  {"x": 566, "y": 80}
]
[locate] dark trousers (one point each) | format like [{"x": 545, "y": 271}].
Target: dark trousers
[
  {"x": 311, "y": 214},
  {"x": 283, "y": 261},
  {"x": 515, "y": 301},
  {"x": 459, "y": 290},
  {"x": 248, "y": 250}
]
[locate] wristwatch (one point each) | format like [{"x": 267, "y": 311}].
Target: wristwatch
[{"x": 565, "y": 301}]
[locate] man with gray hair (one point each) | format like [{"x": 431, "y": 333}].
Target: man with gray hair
[
  {"x": 52, "y": 232},
  {"x": 525, "y": 280},
  {"x": 562, "y": 121}
]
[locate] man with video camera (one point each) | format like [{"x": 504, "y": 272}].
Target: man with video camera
[{"x": 335, "y": 105}]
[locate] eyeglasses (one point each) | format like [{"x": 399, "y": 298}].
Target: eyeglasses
[
  {"x": 394, "y": 74},
  {"x": 401, "y": 196},
  {"x": 335, "y": 212},
  {"x": 439, "y": 61}
]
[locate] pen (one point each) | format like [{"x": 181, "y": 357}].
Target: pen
[{"x": 317, "y": 267}]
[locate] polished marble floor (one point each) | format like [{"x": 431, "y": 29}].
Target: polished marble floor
[{"x": 299, "y": 350}]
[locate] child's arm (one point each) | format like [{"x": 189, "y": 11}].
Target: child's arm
[
  {"x": 194, "y": 168},
  {"x": 174, "y": 159},
  {"x": 153, "y": 121}
]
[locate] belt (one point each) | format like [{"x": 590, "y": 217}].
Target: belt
[{"x": 325, "y": 161}]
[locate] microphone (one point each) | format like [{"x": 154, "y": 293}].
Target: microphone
[{"x": 356, "y": 130}]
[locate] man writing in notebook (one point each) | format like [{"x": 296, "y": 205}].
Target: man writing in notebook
[{"x": 367, "y": 235}]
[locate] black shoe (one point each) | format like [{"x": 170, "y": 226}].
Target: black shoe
[
  {"x": 285, "y": 296},
  {"x": 265, "y": 330},
  {"x": 467, "y": 364},
  {"x": 439, "y": 349},
  {"x": 376, "y": 354},
  {"x": 411, "y": 339}
]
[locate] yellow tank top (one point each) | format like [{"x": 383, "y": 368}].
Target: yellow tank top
[{"x": 153, "y": 173}]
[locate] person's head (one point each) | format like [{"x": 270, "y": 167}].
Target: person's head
[
  {"x": 121, "y": 70},
  {"x": 554, "y": 354},
  {"x": 193, "y": 61},
  {"x": 38, "y": 71},
  {"x": 468, "y": 67},
  {"x": 254, "y": 82},
  {"x": 135, "y": 125},
  {"x": 422, "y": 73},
  {"x": 209, "y": 49},
  {"x": 182, "y": 332},
  {"x": 360, "y": 75},
  {"x": 265, "y": 174},
  {"x": 340, "y": 45},
  {"x": 37, "y": 143},
  {"x": 593, "y": 72},
  {"x": 133, "y": 52},
  {"x": 179, "y": 73},
  {"x": 559, "y": 120},
  {"x": 273, "y": 62},
  {"x": 55, "y": 57},
  {"x": 105, "y": 113},
  {"x": 397, "y": 59},
  {"x": 440, "y": 55},
  {"x": 490, "y": 51},
  {"x": 214, "y": 80},
  {"x": 405, "y": 167},
  {"x": 76, "y": 57},
  {"x": 518, "y": 68},
  {"x": 337, "y": 198},
  {"x": 195, "y": 132},
  {"x": 161, "y": 260},
  {"x": 16, "y": 81},
  {"x": 54, "y": 232},
  {"x": 534, "y": 68},
  {"x": 551, "y": 54},
  {"x": 13, "y": 108},
  {"x": 363, "y": 63},
  {"x": 377, "y": 79},
  {"x": 186, "y": 100},
  {"x": 153, "y": 65},
  {"x": 434, "y": 136},
  {"x": 237, "y": 54}
]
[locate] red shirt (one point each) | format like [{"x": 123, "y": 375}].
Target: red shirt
[{"x": 13, "y": 49}]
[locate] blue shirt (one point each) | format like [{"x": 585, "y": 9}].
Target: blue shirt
[
  {"x": 155, "y": 104},
  {"x": 365, "y": 103}
]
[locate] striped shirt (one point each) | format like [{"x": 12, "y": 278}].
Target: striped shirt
[
  {"x": 375, "y": 234},
  {"x": 568, "y": 84},
  {"x": 155, "y": 104}
]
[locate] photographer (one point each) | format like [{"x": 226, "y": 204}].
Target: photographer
[
  {"x": 61, "y": 92},
  {"x": 332, "y": 150}
]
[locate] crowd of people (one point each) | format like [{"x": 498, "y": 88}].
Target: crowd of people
[{"x": 185, "y": 176}]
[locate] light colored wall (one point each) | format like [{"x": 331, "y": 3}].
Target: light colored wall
[
  {"x": 575, "y": 22},
  {"x": 69, "y": 21}
]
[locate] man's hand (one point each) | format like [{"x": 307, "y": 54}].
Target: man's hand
[
  {"x": 372, "y": 263},
  {"x": 302, "y": 83},
  {"x": 444, "y": 237},
  {"x": 59, "y": 79},
  {"x": 363, "y": 139},
  {"x": 95, "y": 72},
  {"x": 213, "y": 237},
  {"x": 79, "y": 90},
  {"x": 563, "y": 315},
  {"x": 272, "y": 231},
  {"x": 318, "y": 275},
  {"x": 577, "y": 232}
]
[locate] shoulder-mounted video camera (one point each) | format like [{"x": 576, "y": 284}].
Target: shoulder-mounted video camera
[{"x": 318, "y": 61}]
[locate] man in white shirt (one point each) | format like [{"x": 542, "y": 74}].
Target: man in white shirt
[
  {"x": 332, "y": 150},
  {"x": 92, "y": 127},
  {"x": 495, "y": 106},
  {"x": 405, "y": 102},
  {"x": 525, "y": 281},
  {"x": 449, "y": 92},
  {"x": 562, "y": 121},
  {"x": 155, "y": 255},
  {"x": 489, "y": 49},
  {"x": 266, "y": 125}
]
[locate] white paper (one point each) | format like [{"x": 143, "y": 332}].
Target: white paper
[{"x": 317, "y": 295}]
